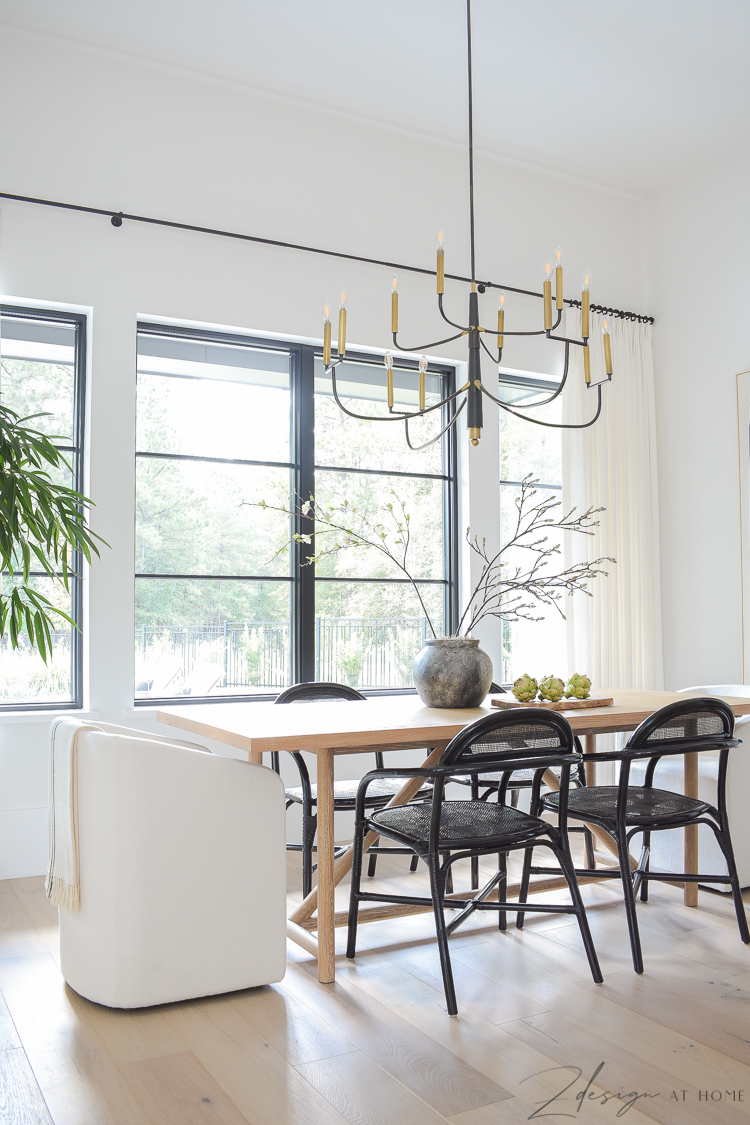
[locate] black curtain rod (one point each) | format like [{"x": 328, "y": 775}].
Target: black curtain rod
[{"x": 116, "y": 218}]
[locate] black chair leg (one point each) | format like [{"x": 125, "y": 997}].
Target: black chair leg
[
  {"x": 580, "y": 910},
  {"x": 523, "y": 890},
  {"x": 475, "y": 858},
  {"x": 645, "y": 856},
  {"x": 629, "y": 895},
  {"x": 357, "y": 855},
  {"x": 414, "y": 863},
  {"x": 502, "y": 891},
  {"x": 372, "y": 863},
  {"x": 725, "y": 843},
  {"x": 589, "y": 858},
  {"x": 309, "y": 828},
  {"x": 437, "y": 886}
]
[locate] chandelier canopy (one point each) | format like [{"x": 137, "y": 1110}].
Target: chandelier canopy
[{"x": 474, "y": 388}]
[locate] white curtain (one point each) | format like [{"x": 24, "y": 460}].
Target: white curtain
[{"x": 615, "y": 636}]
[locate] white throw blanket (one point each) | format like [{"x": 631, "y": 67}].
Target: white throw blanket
[{"x": 63, "y": 879}]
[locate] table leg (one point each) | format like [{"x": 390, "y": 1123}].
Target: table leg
[
  {"x": 326, "y": 881},
  {"x": 589, "y": 747},
  {"x": 343, "y": 864},
  {"x": 256, "y": 758},
  {"x": 691, "y": 833}
]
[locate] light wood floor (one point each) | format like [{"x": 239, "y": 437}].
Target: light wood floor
[{"x": 377, "y": 1048}]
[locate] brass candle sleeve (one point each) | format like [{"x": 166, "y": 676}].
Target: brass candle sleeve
[
  {"x": 547, "y": 306},
  {"x": 587, "y": 365},
  {"x": 342, "y": 331},
  {"x": 441, "y": 271},
  {"x": 558, "y": 287},
  {"x": 608, "y": 353},
  {"x": 327, "y": 343},
  {"x": 389, "y": 385},
  {"x": 585, "y": 301},
  {"x": 500, "y": 327},
  {"x": 394, "y": 311},
  {"x": 422, "y": 398}
]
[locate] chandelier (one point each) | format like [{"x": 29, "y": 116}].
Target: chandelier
[{"x": 474, "y": 389}]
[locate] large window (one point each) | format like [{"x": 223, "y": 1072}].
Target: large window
[
  {"x": 223, "y": 606},
  {"x": 42, "y": 372},
  {"x": 536, "y": 647}
]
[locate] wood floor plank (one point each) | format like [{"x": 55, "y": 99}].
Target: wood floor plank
[
  {"x": 178, "y": 1090},
  {"x": 503, "y": 1057},
  {"x": 510, "y": 1112},
  {"x": 21, "y": 1102},
  {"x": 585, "y": 1046},
  {"x": 263, "y": 1086},
  {"x": 18, "y": 935},
  {"x": 130, "y": 1036},
  {"x": 726, "y": 1033},
  {"x": 30, "y": 893},
  {"x": 78, "y": 1079},
  {"x": 365, "y": 1093},
  {"x": 433, "y": 1073},
  {"x": 8, "y": 1035},
  {"x": 297, "y": 1032}
]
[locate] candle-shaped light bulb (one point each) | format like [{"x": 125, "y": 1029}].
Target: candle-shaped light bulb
[
  {"x": 558, "y": 279},
  {"x": 389, "y": 378},
  {"x": 440, "y": 262},
  {"x": 327, "y": 335},
  {"x": 585, "y": 304},
  {"x": 500, "y": 320},
  {"x": 394, "y": 305},
  {"x": 547, "y": 295},
  {"x": 342, "y": 323},
  {"x": 607, "y": 346},
  {"x": 422, "y": 381}
]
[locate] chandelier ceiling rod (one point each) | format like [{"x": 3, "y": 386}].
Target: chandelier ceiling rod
[{"x": 117, "y": 217}]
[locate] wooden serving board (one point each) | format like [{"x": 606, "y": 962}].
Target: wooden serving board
[{"x": 562, "y": 705}]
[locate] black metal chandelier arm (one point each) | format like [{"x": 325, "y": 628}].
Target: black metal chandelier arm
[
  {"x": 548, "y": 425},
  {"x": 418, "y": 448},
  {"x": 446, "y": 319},
  {"x": 426, "y": 347},
  {"x": 388, "y": 417},
  {"x": 553, "y": 396},
  {"x": 493, "y": 357}
]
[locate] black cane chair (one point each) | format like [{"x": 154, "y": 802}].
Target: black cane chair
[
  {"x": 442, "y": 832},
  {"x": 624, "y": 810},
  {"x": 344, "y": 792},
  {"x": 484, "y": 785}
]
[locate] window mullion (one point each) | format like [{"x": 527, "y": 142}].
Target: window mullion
[{"x": 303, "y": 437}]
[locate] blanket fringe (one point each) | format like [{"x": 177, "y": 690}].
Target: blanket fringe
[{"x": 63, "y": 894}]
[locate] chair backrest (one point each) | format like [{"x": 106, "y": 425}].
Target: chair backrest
[
  {"x": 689, "y": 725},
  {"x": 318, "y": 692},
  {"x": 510, "y": 735}
]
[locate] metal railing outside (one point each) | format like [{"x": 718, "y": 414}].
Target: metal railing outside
[{"x": 367, "y": 652}]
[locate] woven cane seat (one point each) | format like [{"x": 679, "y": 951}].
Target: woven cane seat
[
  {"x": 345, "y": 792},
  {"x": 461, "y": 823},
  {"x": 599, "y": 802}
]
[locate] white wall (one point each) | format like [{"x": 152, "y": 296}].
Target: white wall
[
  {"x": 89, "y": 128},
  {"x": 700, "y": 288}
]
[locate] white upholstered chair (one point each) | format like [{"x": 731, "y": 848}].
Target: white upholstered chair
[
  {"x": 667, "y": 848},
  {"x": 182, "y": 872}
]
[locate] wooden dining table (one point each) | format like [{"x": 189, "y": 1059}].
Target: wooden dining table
[{"x": 396, "y": 722}]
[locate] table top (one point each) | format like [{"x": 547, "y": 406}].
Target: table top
[{"x": 394, "y": 721}]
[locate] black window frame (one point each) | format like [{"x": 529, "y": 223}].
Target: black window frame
[
  {"x": 79, "y": 322},
  {"x": 303, "y": 466}
]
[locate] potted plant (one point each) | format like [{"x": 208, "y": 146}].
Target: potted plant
[
  {"x": 452, "y": 671},
  {"x": 42, "y": 525}
]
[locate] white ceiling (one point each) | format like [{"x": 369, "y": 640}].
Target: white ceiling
[{"x": 634, "y": 96}]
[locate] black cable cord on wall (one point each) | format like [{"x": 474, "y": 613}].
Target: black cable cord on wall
[{"x": 117, "y": 217}]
